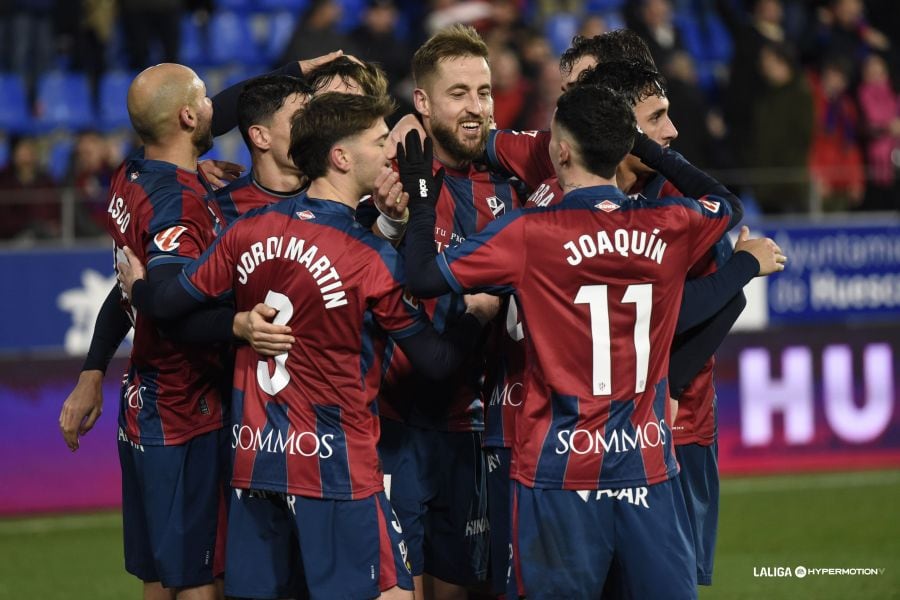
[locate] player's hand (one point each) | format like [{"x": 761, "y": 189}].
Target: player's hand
[
  {"x": 673, "y": 408},
  {"x": 129, "y": 271},
  {"x": 220, "y": 173},
  {"x": 765, "y": 250},
  {"x": 483, "y": 306},
  {"x": 82, "y": 408},
  {"x": 398, "y": 134},
  {"x": 646, "y": 149},
  {"x": 266, "y": 338},
  {"x": 388, "y": 195},
  {"x": 310, "y": 65},
  {"x": 414, "y": 160}
]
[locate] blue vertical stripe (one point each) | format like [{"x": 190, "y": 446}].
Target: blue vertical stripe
[
  {"x": 564, "y": 415},
  {"x": 334, "y": 470}
]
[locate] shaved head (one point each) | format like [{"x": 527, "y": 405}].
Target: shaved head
[{"x": 158, "y": 95}]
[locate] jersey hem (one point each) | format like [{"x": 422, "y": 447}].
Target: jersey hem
[
  {"x": 266, "y": 486},
  {"x": 592, "y": 484},
  {"x": 177, "y": 441}
]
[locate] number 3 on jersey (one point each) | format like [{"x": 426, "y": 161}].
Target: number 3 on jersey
[
  {"x": 272, "y": 384},
  {"x": 596, "y": 297}
]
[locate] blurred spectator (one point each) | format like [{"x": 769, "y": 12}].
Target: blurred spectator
[
  {"x": 146, "y": 21},
  {"x": 652, "y": 20},
  {"x": 90, "y": 171},
  {"x": 701, "y": 131},
  {"x": 781, "y": 130},
  {"x": 376, "y": 40},
  {"x": 444, "y": 13},
  {"x": 534, "y": 49},
  {"x": 543, "y": 100},
  {"x": 750, "y": 33},
  {"x": 510, "y": 90},
  {"x": 28, "y": 41},
  {"x": 835, "y": 161},
  {"x": 841, "y": 29},
  {"x": 592, "y": 26},
  {"x": 317, "y": 34},
  {"x": 84, "y": 29},
  {"x": 880, "y": 107},
  {"x": 31, "y": 204}
]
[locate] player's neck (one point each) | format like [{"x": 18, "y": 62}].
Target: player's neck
[
  {"x": 445, "y": 159},
  {"x": 182, "y": 155},
  {"x": 336, "y": 188},
  {"x": 573, "y": 178},
  {"x": 273, "y": 177},
  {"x": 626, "y": 178}
]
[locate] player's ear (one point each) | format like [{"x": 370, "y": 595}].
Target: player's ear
[
  {"x": 564, "y": 155},
  {"x": 187, "y": 117},
  {"x": 340, "y": 158},
  {"x": 420, "y": 101},
  {"x": 260, "y": 137}
]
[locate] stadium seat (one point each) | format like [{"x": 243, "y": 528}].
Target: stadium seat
[
  {"x": 281, "y": 26},
  {"x": 351, "y": 14},
  {"x": 15, "y": 115},
  {"x": 719, "y": 47},
  {"x": 4, "y": 152},
  {"x": 241, "y": 6},
  {"x": 60, "y": 157},
  {"x": 64, "y": 100},
  {"x": 601, "y": 6},
  {"x": 193, "y": 44},
  {"x": 295, "y": 6},
  {"x": 559, "y": 31},
  {"x": 231, "y": 40},
  {"x": 113, "y": 99}
]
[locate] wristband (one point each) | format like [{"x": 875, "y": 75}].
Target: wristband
[{"x": 392, "y": 229}]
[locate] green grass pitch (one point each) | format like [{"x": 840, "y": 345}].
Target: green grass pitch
[{"x": 835, "y": 520}]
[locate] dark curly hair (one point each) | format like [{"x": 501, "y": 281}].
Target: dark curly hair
[
  {"x": 633, "y": 80},
  {"x": 612, "y": 46},
  {"x": 262, "y": 97}
]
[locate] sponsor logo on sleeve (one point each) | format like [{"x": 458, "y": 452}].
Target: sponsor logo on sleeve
[
  {"x": 710, "y": 205},
  {"x": 167, "y": 240}
]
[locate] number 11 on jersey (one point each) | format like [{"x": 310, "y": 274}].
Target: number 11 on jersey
[{"x": 596, "y": 297}]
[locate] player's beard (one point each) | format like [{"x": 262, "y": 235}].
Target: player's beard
[
  {"x": 455, "y": 149},
  {"x": 203, "y": 138}
]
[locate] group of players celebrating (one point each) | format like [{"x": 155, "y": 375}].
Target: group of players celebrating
[{"x": 431, "y": 389}]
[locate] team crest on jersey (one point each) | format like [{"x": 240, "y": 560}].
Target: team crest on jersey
[
  {"x": 305, "y": 215},
  {"x": 607, "y": 206},
  {"x": 496, "y": 205},
  {"x": 411, "y": 300},
  {"x": 133, "y": 175},
  {"x": 167, "y": 240},
  {"x": 711, "y": 205}
]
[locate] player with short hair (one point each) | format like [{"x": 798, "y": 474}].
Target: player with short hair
[
  {"x": 597, "y": 278},
  {"x": 350, "y": 76},
  {"x": 171, "y": 413},
  {"x": 432, "y": 453},
  {"x": 304, "y": 442}
]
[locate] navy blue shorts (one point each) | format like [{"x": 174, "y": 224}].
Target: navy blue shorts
[
  {"x": 499, "y": 485},
  {"x": 567, "y": 543},
  {"x": 286, "y": 546},
  {"x": 436, "y": 481},
  {"x": 171, "y": 497},
  {"x": 699, "y": 479}
]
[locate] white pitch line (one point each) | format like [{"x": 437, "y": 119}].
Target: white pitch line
[
  {"x": 62, "y": 523},
  {"x": 784, "y": 483}
]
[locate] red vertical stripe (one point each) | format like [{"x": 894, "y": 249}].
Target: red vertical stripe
[{"x": 387, "y": 571}]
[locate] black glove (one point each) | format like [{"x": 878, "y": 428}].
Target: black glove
[
  {"x": 647, "y": 150},
  {"x": 415, "y": 165}
]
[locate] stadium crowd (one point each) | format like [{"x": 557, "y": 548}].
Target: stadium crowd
[{"x": 793, "y": 103}]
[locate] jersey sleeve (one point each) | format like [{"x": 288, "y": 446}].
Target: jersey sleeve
[
  {"x": 710, "y": 218},
  {"x": 398, "y": 313},
  {"x": 180, "y": 229},
  {"x": 490, "y": 261},
  {"x": 522, "y": 154},
  {"x": 212, "y": 274}
]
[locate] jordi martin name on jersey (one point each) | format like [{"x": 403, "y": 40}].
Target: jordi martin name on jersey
[
  {"x": 326, "y": 276},
  {"x": 624, "y": 242}
]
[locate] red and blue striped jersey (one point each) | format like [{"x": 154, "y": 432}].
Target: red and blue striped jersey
[
  {"x": 243, "y": 195},
  {"x": 598, "y": 279},
  {"x": 172, "y": 391},
  {"x": 303, "y": 421},
  {"x": 469, "y": 200}
]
